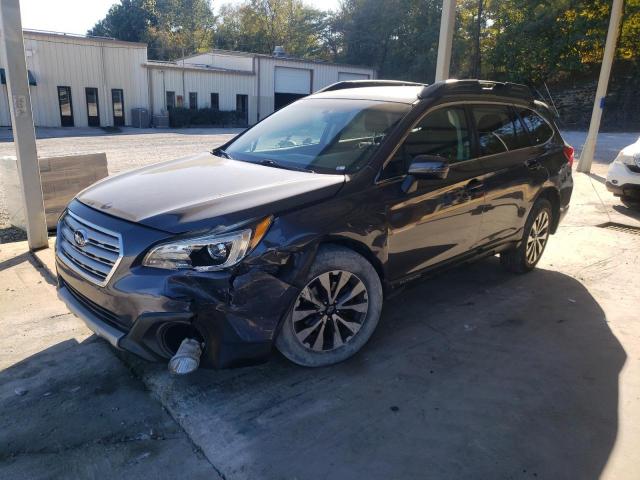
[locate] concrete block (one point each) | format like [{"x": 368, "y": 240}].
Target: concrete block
[{"x": 62, "y": 179}]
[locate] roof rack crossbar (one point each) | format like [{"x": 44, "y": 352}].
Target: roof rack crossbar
[
  {"x": 475, "y": 87},
  {"x": 345, "y": 84}
]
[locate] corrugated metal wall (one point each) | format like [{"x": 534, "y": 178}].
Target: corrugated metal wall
[
  {"x": 226, "y": 85},
  {"x": 222, "y": 60},
  {"x": 322, "y": 75},
  {"x": 80, "y": 62},
  {"x": 77, "y": 62}
]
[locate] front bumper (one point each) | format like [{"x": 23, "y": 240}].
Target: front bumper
[
  {"x": 623, "y": 180},
  {"x": 142, "y": 309}
]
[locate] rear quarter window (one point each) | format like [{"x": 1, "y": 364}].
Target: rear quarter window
[{"x": 539, "y": 129}]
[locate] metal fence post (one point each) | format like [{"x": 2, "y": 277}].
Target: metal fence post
[
  {"x": 24, "y": 136},
  {"x": 588, "y": 152},
  {"x": 445, "y": 42}
]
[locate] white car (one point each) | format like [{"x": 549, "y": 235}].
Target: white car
[{"x": 623, "y": 178}]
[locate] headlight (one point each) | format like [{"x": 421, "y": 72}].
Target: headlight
[
  {"x": 633, "y": 160},
  {"x": 208, "y": 252}
]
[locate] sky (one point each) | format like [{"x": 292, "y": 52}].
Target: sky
[{"x": 78, "y": 16}]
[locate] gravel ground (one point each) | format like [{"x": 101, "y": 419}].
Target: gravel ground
[
  {"x": 126, "y": 150},
  {"x": 134, "y": 147}
]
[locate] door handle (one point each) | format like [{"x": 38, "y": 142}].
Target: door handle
[{"x": 533, "y": 164}]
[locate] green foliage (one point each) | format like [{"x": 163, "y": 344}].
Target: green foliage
[
  {"x": 170, "y": 27},
  {"x": 180, "y": 117},
  {"x": 518, "y": 40},
  {"x": 260, "y": 25}
]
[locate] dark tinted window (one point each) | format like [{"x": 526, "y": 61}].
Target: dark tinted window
[
  {"x": 499, "y": 130},
  {"x": 444, "y": 133},
  {"x": 539, "y": 130},
  {"x": 171, "y": 100},
  {"x": 193, "y": 100},
  {"x": 324, "y": 135},
  {"x": 215, "y": 101}
]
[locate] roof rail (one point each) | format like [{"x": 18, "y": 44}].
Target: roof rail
[
  {"x": 369, "y": 83},
  {"x": 475, "y": 87}
]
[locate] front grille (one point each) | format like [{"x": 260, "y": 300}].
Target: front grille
[
  {"x": 102, "y": 313},
  {"x": 91, "y": 251}
]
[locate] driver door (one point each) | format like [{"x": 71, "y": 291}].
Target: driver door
[{"x": 433, "y": 220}]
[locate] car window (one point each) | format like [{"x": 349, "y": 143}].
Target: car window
[
  {"x": 538, "y": 128},
  {"x": 443, "y": 132},
  {"x": 323, "y": 135},
  {"x": 499, "y": 130}
]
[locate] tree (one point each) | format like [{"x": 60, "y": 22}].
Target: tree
[
  {"x": 170, "y": 27},
  {"x": 127, "y": 20},
  {"x": 260, "y": 25}
]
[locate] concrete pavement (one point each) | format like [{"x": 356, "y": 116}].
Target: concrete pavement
[
  {"x": 473, "y": 374},
  {"x": 69, "y": 408}
]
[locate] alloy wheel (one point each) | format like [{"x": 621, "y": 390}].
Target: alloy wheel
[
  {"x": 538, "y": 236},
  {"x": 330, "y": 310}
]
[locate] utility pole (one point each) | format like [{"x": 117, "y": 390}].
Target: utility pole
[
  {"x": 586, "y": 157},
  {"x": 445, "y": 42},
  {"x": 24, "y": 136}
]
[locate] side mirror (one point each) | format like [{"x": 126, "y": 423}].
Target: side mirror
[{"x": 429, "y": 166}]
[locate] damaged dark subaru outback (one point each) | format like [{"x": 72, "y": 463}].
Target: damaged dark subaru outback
[{"x": 291, "y": 233}]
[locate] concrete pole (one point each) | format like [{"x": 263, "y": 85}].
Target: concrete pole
[
  {"x": 586, "y": 157},
  {"x": 445, "y": 43},
  {"x": 24, "y": 136}
]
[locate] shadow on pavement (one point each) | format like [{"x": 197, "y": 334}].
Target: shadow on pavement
[
  {"x": 74, "y": 411},
  {"x": 629, "y": 212},
  {"x": 474, "y": 374}
]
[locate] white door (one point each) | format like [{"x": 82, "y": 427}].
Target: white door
[
  {"x": 344, "y": 76},
  {"x": 293, "y": 80}
]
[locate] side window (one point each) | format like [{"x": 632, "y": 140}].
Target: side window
[
  {"x": 499, "y": 130},
  {"x": 538, "y": 128},
  {"x": 443, "y": 132}
]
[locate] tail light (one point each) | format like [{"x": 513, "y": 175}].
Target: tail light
[{"x": 569, "y": 154}]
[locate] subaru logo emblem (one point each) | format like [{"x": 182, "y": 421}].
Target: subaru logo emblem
[{"x": 80, "y": 237}]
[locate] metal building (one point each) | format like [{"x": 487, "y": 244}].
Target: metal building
[{"x": 90, "y": 81}]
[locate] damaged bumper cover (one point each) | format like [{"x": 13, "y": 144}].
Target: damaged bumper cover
[{"x": 148, "y": 311}]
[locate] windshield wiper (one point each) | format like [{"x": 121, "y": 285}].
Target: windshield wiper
[
  {"x": 272, "y": 163},
  {"x": 221, "y": 153}
]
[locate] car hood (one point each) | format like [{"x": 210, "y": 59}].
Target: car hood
[{"x": 206, "y": 191}]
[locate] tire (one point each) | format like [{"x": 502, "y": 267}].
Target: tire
[
  {"x": 332, "y": 315},
  {"x": 519, "y": 260}
]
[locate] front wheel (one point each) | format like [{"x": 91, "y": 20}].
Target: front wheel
[
  {"x": 537, "y": 229},
  {"x": 336, "y": 311}
]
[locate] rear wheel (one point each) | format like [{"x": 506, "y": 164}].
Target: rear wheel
[
  {"x": 335, "y": 313},
  {"x": 537, "y": 229}
]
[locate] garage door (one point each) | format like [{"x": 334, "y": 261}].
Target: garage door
[
  {"x": 343, "y": 76},
  {"x": 293, "y": 80}
]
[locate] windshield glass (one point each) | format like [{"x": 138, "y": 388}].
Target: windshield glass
[{"x": 322, "y": 135}]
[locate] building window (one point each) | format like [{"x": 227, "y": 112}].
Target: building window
[
  {"x": 117, "y": 103},
  {"x": 193, "y": 100},
  {"x": 215, "y": 101},
  {"x": 66, "y": 106},
  {"x": 242, "y": 107},
  {"x": 93, "y": 108},
  {"x": 171, "y": 100}
]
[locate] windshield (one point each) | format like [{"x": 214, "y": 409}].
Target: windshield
[{"x": 321, "y": 135}]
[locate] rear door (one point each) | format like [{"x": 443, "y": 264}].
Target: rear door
[
  {"x": 434, "y": 220},
  {"x": 513, "y": 172}
]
